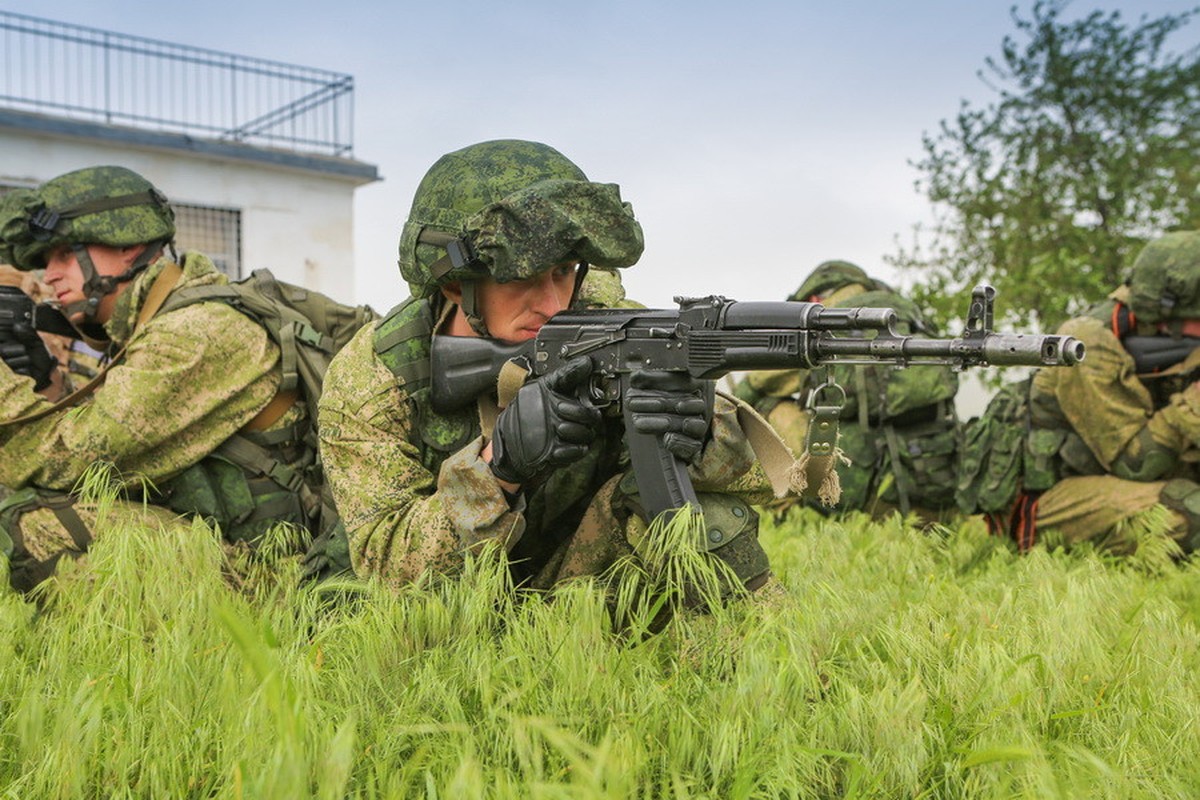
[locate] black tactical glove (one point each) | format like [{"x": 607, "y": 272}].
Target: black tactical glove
[
  {"x": 22, "y": 349},
  {"x": 674, "y": 405},
  {"x": 546, "y": 426}
]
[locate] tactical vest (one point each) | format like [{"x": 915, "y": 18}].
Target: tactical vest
[
  {"x": 402, "y": 344},
  {"x": 553, "y": 509}
]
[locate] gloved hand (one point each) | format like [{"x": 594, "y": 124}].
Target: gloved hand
[
  {"x": 673, "y": 405},
  {"x": 546, "y": 425},
  {"x": 22, "y": 349}
]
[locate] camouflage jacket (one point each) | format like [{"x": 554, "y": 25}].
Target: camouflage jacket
[
  {"x": 409, "y": 510},
  {"x": 188, "y": 381},
  {"x": 1110, "y": 420}
]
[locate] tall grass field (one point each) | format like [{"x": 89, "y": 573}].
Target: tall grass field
[{"x": 895, "y": 663}]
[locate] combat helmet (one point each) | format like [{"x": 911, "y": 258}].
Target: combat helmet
[
  {"x": 107, "y": 205},
  {"x": 828, "y": 277},
  {"x": 1165, "y": 281},
  {"x": 510, "y": 209}
]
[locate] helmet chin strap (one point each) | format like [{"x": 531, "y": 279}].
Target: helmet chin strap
[
  {"x": 96, "y": 286},
  {"x": 470, "y": 307}
]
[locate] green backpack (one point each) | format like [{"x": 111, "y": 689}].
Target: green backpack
[
  {"x": 1003, "y": 454},
  {"x": 310, "y": 328}
]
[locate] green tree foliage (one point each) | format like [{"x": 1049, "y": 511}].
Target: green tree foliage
[{"x": 1049, "y": 191}]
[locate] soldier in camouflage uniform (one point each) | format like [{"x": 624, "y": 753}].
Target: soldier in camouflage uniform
[
  {"x": 1114, "y": 442},
  {"x": 898, "y": 426},
  {"x": 185, "y": 393},
  {"x": 500, "y": 237}
]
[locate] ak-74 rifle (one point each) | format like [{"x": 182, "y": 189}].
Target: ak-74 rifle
[
  {"x": 1153, "y": 354},
  {"x": 709, "y": 337}
]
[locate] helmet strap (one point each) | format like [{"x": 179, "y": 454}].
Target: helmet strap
[
  {"x": 470, "y": 307},
  {"x": 96, "y": 286}
]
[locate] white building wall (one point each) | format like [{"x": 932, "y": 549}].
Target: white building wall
[{"x": 297, "y": 223}]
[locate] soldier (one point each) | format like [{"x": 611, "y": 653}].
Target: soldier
[
  {"x": 1118, "y": 434},
  {"x": 500, "y": 237},
  {"x": 898, "y": 426},
  {"x": 185, "y": 410}
]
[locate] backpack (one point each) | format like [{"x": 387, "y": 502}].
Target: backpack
[
  {"x": 309, "y": 328},
  {"x": 1004, "y": 455}
]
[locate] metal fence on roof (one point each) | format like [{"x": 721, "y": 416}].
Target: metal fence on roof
[{"x": 112, "y": 78}]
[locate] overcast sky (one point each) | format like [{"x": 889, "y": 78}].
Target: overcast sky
[{"x": 755, "y": 138}]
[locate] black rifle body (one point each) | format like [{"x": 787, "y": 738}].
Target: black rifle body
[
  {"x": 1155, "y": 353},
  {"x": 710, "y": 337}
]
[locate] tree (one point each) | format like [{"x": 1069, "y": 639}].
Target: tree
[{"x": 1049, "y": 192}]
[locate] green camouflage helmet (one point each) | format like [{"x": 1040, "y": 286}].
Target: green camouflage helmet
[
  {"x": 1165, "y": 281},
  {"x": 828, "y": 277},
  {"x": 111, "y": 206},
  {"x": 511, "y": 209}
]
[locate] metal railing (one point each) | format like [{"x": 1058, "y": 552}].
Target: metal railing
[{"x": 101, "y": 76}]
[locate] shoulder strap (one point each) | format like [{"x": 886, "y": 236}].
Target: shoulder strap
[
  {"x": 402, "y": 343},
  {"x": 163, "y": 284}
]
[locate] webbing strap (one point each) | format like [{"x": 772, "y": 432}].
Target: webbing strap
[
  {"x": 860, "y": 388},
  {"x": 69, "y": 518},
  {"x": 250, "y": 456},
  {"x": 769, "y": 447},
  {"x": 271, "y": 413},
  {"x": 163, "y": 284},
  {"x": 409, "y": 330},
  {"x": 903, "y": 485},
  {"x": 510, "y": 380},
  {"x": 288, "y": 359}
]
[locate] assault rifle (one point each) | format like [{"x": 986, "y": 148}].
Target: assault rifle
[
  {"x": 1156, "y": 353},
  {"x": 18, "y": 313},
  {"x": 709, "y": 337},
  {"x": 20, "y": 347}
]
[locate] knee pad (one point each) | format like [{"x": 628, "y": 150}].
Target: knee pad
[
  {"x": 730, "y": 529},
  {"x": 731, "y": 534}
]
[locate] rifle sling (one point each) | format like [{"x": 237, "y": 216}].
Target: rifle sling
[{"x": 768, "y": 446}]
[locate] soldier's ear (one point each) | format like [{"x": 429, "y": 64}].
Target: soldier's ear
[{"x": 452, "y": 291}]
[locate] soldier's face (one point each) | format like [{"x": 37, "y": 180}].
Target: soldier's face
[
  {"x": 65, "y": 276},
  {"x": 517, "y": 310}
]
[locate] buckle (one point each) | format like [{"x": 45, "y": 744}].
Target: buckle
[{"x": 42, "y": 224}]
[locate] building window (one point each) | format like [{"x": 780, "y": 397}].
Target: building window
[{"x": 215, "y": 232}]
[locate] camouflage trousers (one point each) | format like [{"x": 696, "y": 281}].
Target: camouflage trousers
[
  {"x": 38, "y": 528},
  {"x": 613, "y": 528},
  {"x": 1099, "y": 508}
]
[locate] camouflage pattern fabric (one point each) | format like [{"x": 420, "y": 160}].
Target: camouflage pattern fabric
[
  {"x": 602, "y": 288},
  {"x": 523, "y": 207},
  {"x": 1127, "y": 438},
  {"x": 190, "y": 379},
  {"x": 1165, "y": 279},
  {"x": 84, "y": 218},
  {"x": 406, "y": 517}
]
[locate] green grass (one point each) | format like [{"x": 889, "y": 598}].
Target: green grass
[{"x": 897, "y": 664}]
